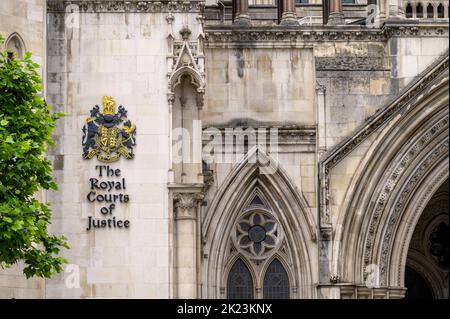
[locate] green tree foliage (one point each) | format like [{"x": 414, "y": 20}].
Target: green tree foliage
[{"x": 26, "y": 125}]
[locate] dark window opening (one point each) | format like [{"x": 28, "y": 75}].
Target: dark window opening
[
  {"x": 409, "y": 11},
  {"x": 276, "y": 281},
  {"x": 240, "y": 282},
  {"x": 440, "y": 11},
  {"x": 417, "y": 286},
  {"x": 419, "y": 11},
  {"x": 430, "y": 13}
]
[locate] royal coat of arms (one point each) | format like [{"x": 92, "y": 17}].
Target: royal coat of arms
[{"x": 108, "y": 135}]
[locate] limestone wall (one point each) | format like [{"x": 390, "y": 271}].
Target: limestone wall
[
  {"x": 27, "y": 18},
  {"x": 267, "y": 85},
  {"x": 123, "y": 55},
  {"x": 265, "y": 88}
]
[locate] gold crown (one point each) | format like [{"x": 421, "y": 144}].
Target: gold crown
[{"x": 109, "y": 105}]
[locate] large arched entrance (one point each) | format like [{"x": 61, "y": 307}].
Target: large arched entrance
[
  {"x": 426, "y": 273},
  {"x": 400, "y": 173}
]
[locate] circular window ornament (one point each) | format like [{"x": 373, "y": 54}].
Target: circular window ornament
[{"x": 257, "y": 234}]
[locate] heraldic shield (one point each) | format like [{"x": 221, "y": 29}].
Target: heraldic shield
[{"x": 108, "y": 135}]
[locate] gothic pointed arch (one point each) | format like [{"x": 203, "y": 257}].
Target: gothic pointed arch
[
  {"x": 240, "y": 281},
  {"x": 15, "y": 44},
  {"x": 276, "y": 281},
  {"x": 186, "y": 62},
  {"x": 289, "y": 227},
  {"x": 401, "y": 170}
]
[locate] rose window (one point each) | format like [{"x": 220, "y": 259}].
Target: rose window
[{"x": 257, "y": 233}]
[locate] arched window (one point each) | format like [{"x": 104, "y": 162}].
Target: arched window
[
  {"x": 14, "y": 44},
  {"x": 240, "y": 282},
  {"x": 440, "y": 11},
  {"x": 276, "y": 281},
  {"x": 419, "y": 10},
  {"x": 430, "y": 13},
  {"x": 409, "y": 11}
]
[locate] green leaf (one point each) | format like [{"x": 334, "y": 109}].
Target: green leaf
[{"x": 26, "y": 127}]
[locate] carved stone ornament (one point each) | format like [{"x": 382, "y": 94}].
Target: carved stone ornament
[
  {"x": 221, "y": 35},
  {"x": 257, "y": 234},
  {"x": 108, "y": 135},
  {"x": 186, "y": 205},
  {"x": 153, "y": 6}
]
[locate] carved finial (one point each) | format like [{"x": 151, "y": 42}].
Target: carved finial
[
  {"x": 185, "y": 33},
  {"x": 170, "y": 18},
  {"x": 334, "y": 279}
]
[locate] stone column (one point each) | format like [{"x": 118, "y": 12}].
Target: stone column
[
  {"x": 321, "y": 120},
  {"x": 289, "y": 16},
  {"x": 242, "y": 16},
  {"x": 186, "y": 207},
  {"x": 336, "y": 16}
]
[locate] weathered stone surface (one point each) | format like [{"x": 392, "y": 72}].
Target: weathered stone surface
[{"x": 325, "y": 89}]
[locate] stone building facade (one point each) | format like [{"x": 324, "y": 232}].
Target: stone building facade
[{"x": 329, "y": 129}]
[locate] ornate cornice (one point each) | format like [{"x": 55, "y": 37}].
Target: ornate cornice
[
  {"x": 421, "y": 86},
  {"x": 150, "y": 6},
  {"x": 230, "y": 35},
  {"x": 235, "y": 36},
  {"x": 405, "y": 28}
]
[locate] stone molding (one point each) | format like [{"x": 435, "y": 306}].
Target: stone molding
[
  {"x": 186, "y": 205},
  {"x": 439, "y": 153},
  {"x": 441, "y": 150},
  {"x": 351, "y": 63},
  {"x": 147, "y": 6},
  {"x": 223, "y": 36},
  {"x": 287, "y": 134}
]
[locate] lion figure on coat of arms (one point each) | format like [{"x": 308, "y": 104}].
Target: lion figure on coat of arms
[{"x": 108, "y": 135}]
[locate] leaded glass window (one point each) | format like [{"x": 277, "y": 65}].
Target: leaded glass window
[
  {"x": 240, "y": 282},
  {"x": 276, "y": 281}
]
